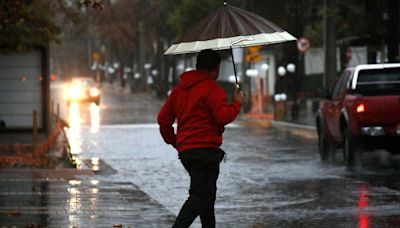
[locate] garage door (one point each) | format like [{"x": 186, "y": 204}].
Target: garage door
[{"x": 20, "y": 89}]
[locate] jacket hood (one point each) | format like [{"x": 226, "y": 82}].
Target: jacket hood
[{"x": 192, "y": 78}]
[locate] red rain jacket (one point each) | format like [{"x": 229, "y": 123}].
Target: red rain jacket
[{"x": 200, "y": 106}]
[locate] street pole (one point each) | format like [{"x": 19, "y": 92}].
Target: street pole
[
  {"x": 329, "y": 76},
  {"x": 246, "y": 83},
  {"x": 142, "y": 46}
]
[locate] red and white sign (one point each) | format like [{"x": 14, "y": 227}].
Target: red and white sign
[{"x": 303, "y": 44}]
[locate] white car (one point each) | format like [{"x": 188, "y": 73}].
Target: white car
[{"x": 83, "y": 89}]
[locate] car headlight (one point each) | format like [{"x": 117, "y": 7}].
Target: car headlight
[
  {"x": 74, "y": 92},
  {"x": 94, "y": 92}
]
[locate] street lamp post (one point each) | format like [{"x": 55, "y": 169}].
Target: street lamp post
[
  {"x": 253, "y": 73},
  {"x": 279, "y": 100},
  {"x": 291, "y": 68},
  {"x": 265, "y": 68}
]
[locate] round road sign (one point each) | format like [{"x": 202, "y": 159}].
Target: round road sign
[{"x": 303, "y": 44}]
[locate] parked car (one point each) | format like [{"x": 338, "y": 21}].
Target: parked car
[
  {"x": 83, "y": 89},
  {"x": 362, "y": 113}
]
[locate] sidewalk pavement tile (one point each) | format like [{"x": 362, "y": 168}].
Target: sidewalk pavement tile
[{"x": 70, "y": 198}]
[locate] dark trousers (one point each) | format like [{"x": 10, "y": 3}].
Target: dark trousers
[{"x": 203, "y": 168}]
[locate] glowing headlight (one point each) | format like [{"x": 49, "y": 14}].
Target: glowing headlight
[
  {"x": 74, "y": 92},
  {"x": 94, "y": 92}
]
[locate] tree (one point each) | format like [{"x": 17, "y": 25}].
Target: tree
[
  {"x": 23, "y": 24},
  {"x": 27, "y": 23},
  {"x": 135, "y": 33}
]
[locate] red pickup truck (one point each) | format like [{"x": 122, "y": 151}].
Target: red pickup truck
[{"x": 362, "y": 113}]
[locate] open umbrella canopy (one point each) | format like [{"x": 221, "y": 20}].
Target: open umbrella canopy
[{"x": 229, "y": 27}]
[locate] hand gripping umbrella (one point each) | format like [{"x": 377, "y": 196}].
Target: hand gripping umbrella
[{"x": 229, "y": 27}]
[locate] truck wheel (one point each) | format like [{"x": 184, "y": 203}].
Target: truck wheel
[
  {"x": 351, "y": 150},
  {"x": 326, "y": 147}
]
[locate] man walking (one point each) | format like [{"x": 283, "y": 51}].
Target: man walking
[{"x": 201, "y": 109}]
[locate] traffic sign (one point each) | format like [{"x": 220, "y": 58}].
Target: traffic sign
[
  {"x": 253, "y": 58},
  {"x": 253, "y": 49},
  {"x": 303, "y": 44},
  {"x": 96, "y": 56},
  {"x": 252, "y": 54}
]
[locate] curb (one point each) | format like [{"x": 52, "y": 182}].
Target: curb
[
  {"x": 300, "y": 130},
  {"x": 304, "y": 131},
  {"x": 293, "y": 125},
  {"x": 254, "y": 123},
  {"x": 44, "y": 173}
]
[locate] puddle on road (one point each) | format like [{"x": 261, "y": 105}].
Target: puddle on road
[
  {"x": 312, "y": 203},
  {"x": 284, "y": 184}
]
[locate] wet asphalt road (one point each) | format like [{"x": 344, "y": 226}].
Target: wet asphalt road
[{"x": 270, "y": 179}]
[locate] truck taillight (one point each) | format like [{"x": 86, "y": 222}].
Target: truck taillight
[{"x": 360, "y": 108}]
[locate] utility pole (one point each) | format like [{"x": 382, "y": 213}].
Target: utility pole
[
  {"x": 142, "y": 46},
  {"x": 246, "y": 81},
  {"x": 329, "y": 76},
  {"x": 391, "y": 18}
]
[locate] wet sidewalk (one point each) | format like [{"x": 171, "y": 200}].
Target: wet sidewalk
[{"x": 74, "y": 198}]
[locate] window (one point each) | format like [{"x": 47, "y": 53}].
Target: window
[
  {"x": 379, "y": 82},
  {"x": 341, "y": 84}
]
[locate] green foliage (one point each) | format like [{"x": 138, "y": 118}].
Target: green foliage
[
  {"x": 28, "y": 23},
  {"x": 24, "y": 24}
]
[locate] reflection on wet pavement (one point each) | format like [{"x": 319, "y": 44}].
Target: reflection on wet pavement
[
  {"x": 42, "y": 199},
  {"x": 95, "y": 164},
  {"x": 362, "y": 206},
  {"x": 94, "y": 118},
  {"x": 271, "y": 179},
  {"x": 76, "y": 120},
  {"x": 74, "y": 130}
]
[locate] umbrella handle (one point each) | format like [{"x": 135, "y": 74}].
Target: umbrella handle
[{"x": 234, "y": 68}]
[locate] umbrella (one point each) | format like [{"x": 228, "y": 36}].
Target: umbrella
[{"x": 229, "y": 27}]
